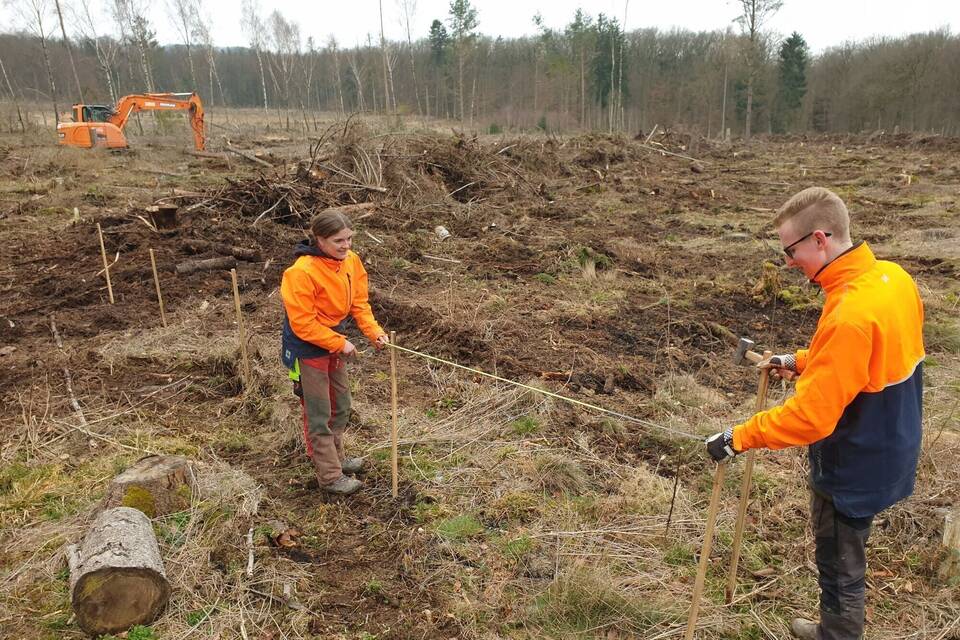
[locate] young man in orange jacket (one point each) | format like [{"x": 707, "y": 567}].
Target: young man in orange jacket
[{"x": 857, "y": 402}]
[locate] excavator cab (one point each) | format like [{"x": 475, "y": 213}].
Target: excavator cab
[{"x": 92, "y": 113}]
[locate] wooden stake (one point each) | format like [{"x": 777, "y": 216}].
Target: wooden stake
[
  {"x": 745, "y": 487},
  {"x": 393, "y": 402},
  {"x": 156, "y": 281},
  {"x": 705, "y": 550},
  {"x": 243, "y": 333},
  {"x": 106, "y": 266},
  {"x": 673, "y": 499}
]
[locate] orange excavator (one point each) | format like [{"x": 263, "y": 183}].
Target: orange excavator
[{"x": 102, "y": 126}]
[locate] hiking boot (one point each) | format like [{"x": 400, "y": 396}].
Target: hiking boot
[
  {"x": 803, "y": 629},
  {"x": 343, "y": 486},
  {"x": 351, "y": 465}
]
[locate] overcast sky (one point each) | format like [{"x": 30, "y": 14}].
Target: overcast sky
[{"x": 823, "y": 23}]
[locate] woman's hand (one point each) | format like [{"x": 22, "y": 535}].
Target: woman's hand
[
  {"x": 349, "y": 350},
  {"x": 381, "y": 341}
]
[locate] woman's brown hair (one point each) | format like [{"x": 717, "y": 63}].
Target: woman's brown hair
[{"x": 328, "y": 222}]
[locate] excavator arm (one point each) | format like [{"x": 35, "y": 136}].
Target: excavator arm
[
  {"x": 163, "y": 102},
  {"x": 97, "y": 125}
]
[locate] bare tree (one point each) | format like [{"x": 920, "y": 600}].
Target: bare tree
[
  {"x": 106, "y": 48},
  {"x": 387, "y": 69},
  {"x": 66, "y": 43},
  {"x": 35, "y": 15},
  {"x": 203, "y": 34},
  {"x": 463, "y": 21},
  {"x": 131, "y": 16},
  {"x": 754, "y": 14},
  {"x": 332, "y": 46},
  {"x": 620, "y": 113},
  {"x": 13, "y": 96},
  {"x": 185, "y": 15},
  {"x": 308, "y": 66},
  {"x": 408, "y": 9},
  {"x": 285, "y": 37},
  {"x": 357, "y": 69},
  {"x": 253, "y": 27}
]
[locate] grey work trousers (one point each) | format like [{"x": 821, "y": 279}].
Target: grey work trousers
[{"x": 842, "y": 564}]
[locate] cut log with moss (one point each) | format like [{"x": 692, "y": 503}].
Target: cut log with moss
[
  {"x": 117, "y": 578},
  {"x": 155, "y": 485}
]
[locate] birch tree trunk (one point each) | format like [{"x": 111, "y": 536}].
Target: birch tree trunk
[
  {"x": 6, "y": 78},
  {"x": 66, "y": 43}
]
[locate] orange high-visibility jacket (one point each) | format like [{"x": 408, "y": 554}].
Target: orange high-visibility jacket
[
  {"x": 859, "y": 395},
  {"x": 318, "y": 293}
]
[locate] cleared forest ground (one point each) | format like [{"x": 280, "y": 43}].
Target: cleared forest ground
[{"x": 595, "y": 266}]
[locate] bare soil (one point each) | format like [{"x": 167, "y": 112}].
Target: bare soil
[{"x": 598, "y": 266}]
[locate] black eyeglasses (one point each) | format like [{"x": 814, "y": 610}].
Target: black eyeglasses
[{"x": 788, "y": 250}]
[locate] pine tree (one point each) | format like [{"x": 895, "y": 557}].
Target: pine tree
[{"x": 792, "y": 72}]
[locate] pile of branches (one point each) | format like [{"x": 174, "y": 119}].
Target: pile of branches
[{"x": 348, "y": 165}]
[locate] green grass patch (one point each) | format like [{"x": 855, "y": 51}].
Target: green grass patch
[
  {"x": 545, "y": 278},
  {"x": 172, "y": 529},
  {"x": 524, "y": 426},
  {"x": 459, "y": 528},
  {"x": 426, "y": 511},
  {"x": 136, "y": 632},
  {"x": 679, "y": 555},
  {"x": 373, "y": 588},
  {"x": 197, "y": 616},
  {"x": 516, "y": 548}
]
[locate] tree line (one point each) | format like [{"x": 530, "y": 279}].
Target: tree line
[{"x": 587, "y": 74}]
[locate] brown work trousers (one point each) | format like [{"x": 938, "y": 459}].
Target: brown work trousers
[{"x": 326, "y": 409}]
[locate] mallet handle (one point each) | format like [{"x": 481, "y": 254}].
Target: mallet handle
[{"x": 745, "y": 484}]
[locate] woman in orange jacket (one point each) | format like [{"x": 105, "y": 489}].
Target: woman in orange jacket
[{"x": 326, "y": 283}]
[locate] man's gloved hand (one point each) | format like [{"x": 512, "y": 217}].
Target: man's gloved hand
[
  {"x": 784, "y": 366},
  {"x": 720, "y": 445}
]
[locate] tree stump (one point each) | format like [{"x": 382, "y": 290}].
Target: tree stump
[
  {"x": 949, "y": 571},
  {"x": 117, "y": 578},
  {"x": 155, "y": 485}
]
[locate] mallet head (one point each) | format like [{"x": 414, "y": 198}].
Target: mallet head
[{"x": 740, "y": 356}]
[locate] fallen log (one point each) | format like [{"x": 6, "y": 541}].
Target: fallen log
[
  {"x": 240, "y": 253},
  {"x": 209, "y": 264},
  {"x": 155, "y": 485},
  {"x": 117, "y": 578},
  {"x": 247, "y": 156}
]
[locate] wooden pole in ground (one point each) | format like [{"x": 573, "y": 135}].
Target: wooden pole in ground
[
  {"x": 745, "y": 487},
  {"x": 106, "y": 266},
  {"x": 156, "y": 281},
  {"x": 705, "y": 550},
  {"x": 394, "y": 467},
  {"x": 243, "y": 333}
]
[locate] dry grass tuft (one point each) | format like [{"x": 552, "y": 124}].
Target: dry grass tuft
[
  {"x": 586, "y": 602},
  {"x": 559, "y": 474}
]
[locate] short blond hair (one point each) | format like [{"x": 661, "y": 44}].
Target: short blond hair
[{"x": 816, "y": 208}]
